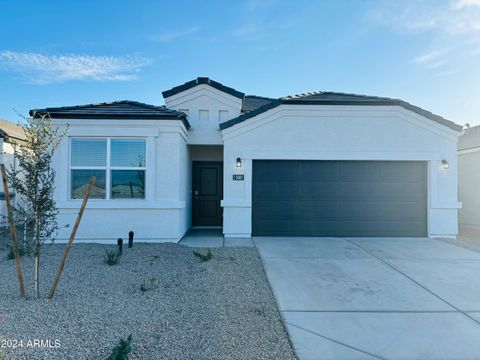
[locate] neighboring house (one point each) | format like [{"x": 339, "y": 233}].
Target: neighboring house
[
  {"x": 315, "y": 164},
  {"x": 469, "y": 182},
  {"x": 11, "y": 136}
]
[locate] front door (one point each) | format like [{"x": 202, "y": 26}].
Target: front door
[{"x": 207, "y": 192}]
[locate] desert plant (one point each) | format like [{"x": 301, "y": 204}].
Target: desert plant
[
  {"x": 11, "y": 253},
  {"x": 111, "y": 257},
  {"x": 121, "y": 350},
  {"x": 203, "y": 257},
  {"x": 144, "y": 287},
  {"x": 34, "y": 182}
]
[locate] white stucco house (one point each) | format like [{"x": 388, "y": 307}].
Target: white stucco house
[
  {"x": 469, "y": 182},
  {"x": 315, "y": 164}
]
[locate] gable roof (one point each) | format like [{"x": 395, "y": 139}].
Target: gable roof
[
  {"x": 124, "y": 109},
  {"x": 471, "y": 138},
  {"x": 9, "y": 130},
  {"x": 335, "y": 98},
  {"x": 199, "y": 81}
]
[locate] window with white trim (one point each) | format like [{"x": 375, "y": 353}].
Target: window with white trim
[{"x": 119, "y": 165}]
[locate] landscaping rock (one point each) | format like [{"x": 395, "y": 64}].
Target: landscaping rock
[{"x": 174, "y": 305}]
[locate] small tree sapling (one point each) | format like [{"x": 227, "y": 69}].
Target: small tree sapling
[{"x": 34, "y": 182}]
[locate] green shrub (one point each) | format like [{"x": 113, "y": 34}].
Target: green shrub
[
  {"x": 202, "y": 257},
  {"x": 11, "y": 253},
  {"x": 111, "y": 257},
  {"x": 121, "y": 350}
]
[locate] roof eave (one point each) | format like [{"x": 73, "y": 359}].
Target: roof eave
[
  {"x": 250, "y": 114},
  {"x": 202, "y": 81},
  {"x": 392, "y": 102},
  {"x": 59, "y": 115}
]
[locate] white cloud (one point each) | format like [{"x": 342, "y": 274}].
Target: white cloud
[
  {"x": 464, "y": 3},
  {"x": 453, "y": 27},
  {"x": 44, "y": 69},
  {"x": 172, "y": 35},
  {"x": 444, "y": 73},
  {"x": 431, "y": 57},
  {"x": 449, "y": 17}
]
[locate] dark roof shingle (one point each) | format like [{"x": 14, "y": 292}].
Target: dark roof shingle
[
  {"x": 334, "y": 98},
  {"x": 253, "y": 102},
  {"x": 199, "y": 81},
  {"x": 125, "y": 109}
]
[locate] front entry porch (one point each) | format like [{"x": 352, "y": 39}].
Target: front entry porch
[{"x": 212, "y": 238}]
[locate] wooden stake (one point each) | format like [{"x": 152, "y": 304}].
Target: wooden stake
[
  {"x": 13, "y": 232},
  {"x": 70, "y": 241}
]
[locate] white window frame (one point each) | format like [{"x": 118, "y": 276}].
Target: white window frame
[{"x": 107, "y": 168}]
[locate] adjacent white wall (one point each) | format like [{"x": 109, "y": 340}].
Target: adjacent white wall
[
  {"x": 469, "y": 190},
  {"x": 162, "y": 216},
  {"x": 185, "y": 189},
  {"x": 10, "y": 161},
  {"x": 341, "y": 133}
]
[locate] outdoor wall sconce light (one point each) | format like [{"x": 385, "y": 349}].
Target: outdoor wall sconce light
[
  {"x": 444, "y": 164},
  {"x": 238, "y": 163}
]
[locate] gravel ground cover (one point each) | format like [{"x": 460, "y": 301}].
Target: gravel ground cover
[{"x": 175, "y": 306}]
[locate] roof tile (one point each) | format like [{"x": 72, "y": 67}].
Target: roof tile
[
  {"x": 335, "y": 98},
  {"x": 199, "y": 81},
  {"x": 124, "y": 109}
]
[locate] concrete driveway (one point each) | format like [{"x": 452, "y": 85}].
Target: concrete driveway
[{"x": 376, "y": 298}]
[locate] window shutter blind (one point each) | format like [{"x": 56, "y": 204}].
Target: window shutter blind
[{"x": 89, "y": 152}]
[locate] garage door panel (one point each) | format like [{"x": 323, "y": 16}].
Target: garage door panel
[
  {"x": 313, "y": 170},
  {"x": 407, "y": 211},
  {"x": 281, "y": 190},
  {"x": 279, "y": 170},
  {"x": 379, "y": 228},
  {"x": 359, "y": 171},
  {"x": 382, "y": 212},
  {"x": 391, "y": 191},
  {"x": 338, "y": 211},
  {"x": 361, "y": 211},
  {"x": 407, "y": 171},
  {"x": 317, "y": 190},
  {"x": 314, "y": 210},
  {"x": 339, "y": 198},
  {"x": 283, "y": 228}
]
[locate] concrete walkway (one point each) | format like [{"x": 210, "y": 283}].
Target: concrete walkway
[
  {"x": 212, "y": 238},
  {"x": 376, "y": 298}
]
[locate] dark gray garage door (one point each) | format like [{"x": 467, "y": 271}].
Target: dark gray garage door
[{"x": 339, "y": 198}]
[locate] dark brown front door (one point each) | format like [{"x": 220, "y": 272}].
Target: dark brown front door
[{"x": 207, "y": 193}]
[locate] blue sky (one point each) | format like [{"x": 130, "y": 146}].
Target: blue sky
[{"x": 57, "y": 53}]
